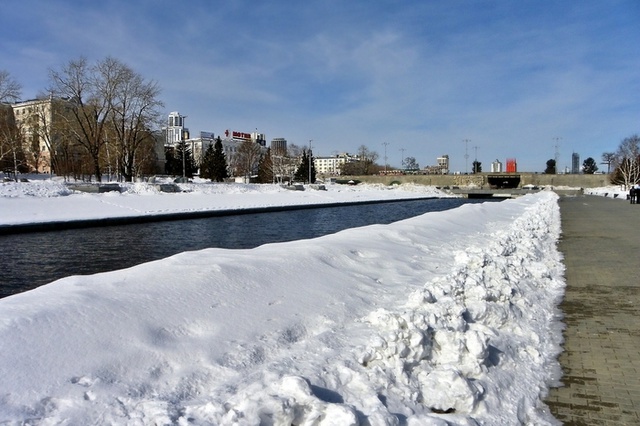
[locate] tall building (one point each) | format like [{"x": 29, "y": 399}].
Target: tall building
[
  {"x": 512, "y": 165},
  {"x": 278, "y": 146},
  {"x": 175, "y": 130},
  {"x": 575, "y": 163},
  {"x": 496, "y": 167}
]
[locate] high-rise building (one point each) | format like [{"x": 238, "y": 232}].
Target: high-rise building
[
  {"x": 575, "y": 163},
  {"x": 278, "y": 146},
  {"x": 175, "y": 130}
]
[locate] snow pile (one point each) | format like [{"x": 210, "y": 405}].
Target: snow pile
[
  {"x": 446, "y": 318},
  {"x": 39, "y": 188},
  {"x": 611, "y": 191}
]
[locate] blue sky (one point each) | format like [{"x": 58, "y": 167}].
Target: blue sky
[{"x": 514, "y": 78}]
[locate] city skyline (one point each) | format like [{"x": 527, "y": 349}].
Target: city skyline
[{"x": 527, "y": 80}]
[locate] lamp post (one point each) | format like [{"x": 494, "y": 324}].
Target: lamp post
[
  {"x": 310, "y": 140},
  {"x": 385, "y": 157},
  {"x": 184, "y": 148},
  {"x": 466, "y": 155}
]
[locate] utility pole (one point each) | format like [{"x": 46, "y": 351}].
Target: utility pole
[
  {"x": 466, "y": 155},
  {"x": 385, "y": 156},
  {"x": 184, "y": 148}
]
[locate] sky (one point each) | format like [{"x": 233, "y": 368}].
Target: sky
[
  {"x": 444, "y": 318},
  {"x": 485, "y": 80}
]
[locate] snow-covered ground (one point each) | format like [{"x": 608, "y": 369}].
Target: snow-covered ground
[{"x": 446, "y": 318}]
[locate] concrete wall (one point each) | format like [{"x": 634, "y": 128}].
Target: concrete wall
[{"x": 574, "y": 181}]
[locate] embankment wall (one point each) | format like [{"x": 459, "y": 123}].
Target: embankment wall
[{"x": 480, "y": 179}]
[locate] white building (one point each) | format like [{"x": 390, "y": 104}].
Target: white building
[
  {"x": 332, "y": 166},
  {"x": 443, "y": 164},
  {"x": 35, "y": 120},
  {"x": 496, "y": 167},
  {"x": 175, "y": 130}
]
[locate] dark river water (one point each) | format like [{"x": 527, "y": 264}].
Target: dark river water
[{"x": 32, "y": 259}]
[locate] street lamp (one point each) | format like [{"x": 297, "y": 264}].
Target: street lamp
[
  {"x": 310, "y": 140},
  {"x": 466, "y": 156},
  {"x": 184, "y": 148},
  {"x": 385, "y": 156}
]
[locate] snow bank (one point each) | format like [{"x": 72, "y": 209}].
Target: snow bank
[
  {"x": 446, "y": 318},
  {"x": 611, "y": 191},
  {"x": 52, "y": 201}
]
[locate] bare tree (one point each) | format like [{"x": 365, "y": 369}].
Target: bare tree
[
  {"x": 10, "y": 138},
  {"x": 10, "y": 89},
  {"x": 365, "y": 165},
  {"x": 135, "y": 108},
  {"x": 247, "y": 158},
  {"x": 90, "y": 91},
  {"x": 627, "y": 162},
  {"x": 284, "y": 164},
  {"x": 11, "y": 150},
  {"x": 608, "y": 158}
]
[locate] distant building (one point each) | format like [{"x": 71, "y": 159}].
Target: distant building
[
  {"x": 496, "y": 167},
  {"x": 278, "y": 146},
  {"x": 256, "y": 137},
  {"x": 512, "y": 165},
  {"x": 443, "y": 163},
  {"x": 175, "y": 130},
  {"x": 332, "y": 166},
  {"x": 36, "y": 120},
  {"x": 442, "y": 167},
  {"x": 575, "y": 163}
]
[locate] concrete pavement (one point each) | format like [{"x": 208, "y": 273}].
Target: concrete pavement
[{"x": 601, "y": 359}]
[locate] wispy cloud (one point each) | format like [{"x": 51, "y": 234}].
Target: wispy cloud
[{"x": 421, "y": 76}]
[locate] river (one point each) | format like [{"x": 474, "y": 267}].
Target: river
[{"x": 30, "y": 260}]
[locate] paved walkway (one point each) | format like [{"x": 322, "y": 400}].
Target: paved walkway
[{"x": 601, "y": 360}]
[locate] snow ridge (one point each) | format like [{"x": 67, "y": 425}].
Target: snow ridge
[{"x": 448, "y": 356}]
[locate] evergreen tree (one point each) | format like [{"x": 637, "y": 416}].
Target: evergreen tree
[
  {"x": 265, "y": 168},
  {"x": 207, "y": 165},
  {"x": 302, "y": 174},
  {"x": 589, "y": 166},
  {"x": 175, "y": 158},
  {"x": 219, "y": 165},
  {"x": 169, "y": 160},
  {"x": 551, "y": 167},
  {"x": 477, "y": 167}
]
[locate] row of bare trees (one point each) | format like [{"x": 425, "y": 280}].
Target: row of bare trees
[
  {"x": 111, "y": 113},
  {"x": 101, "y": 117}
]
